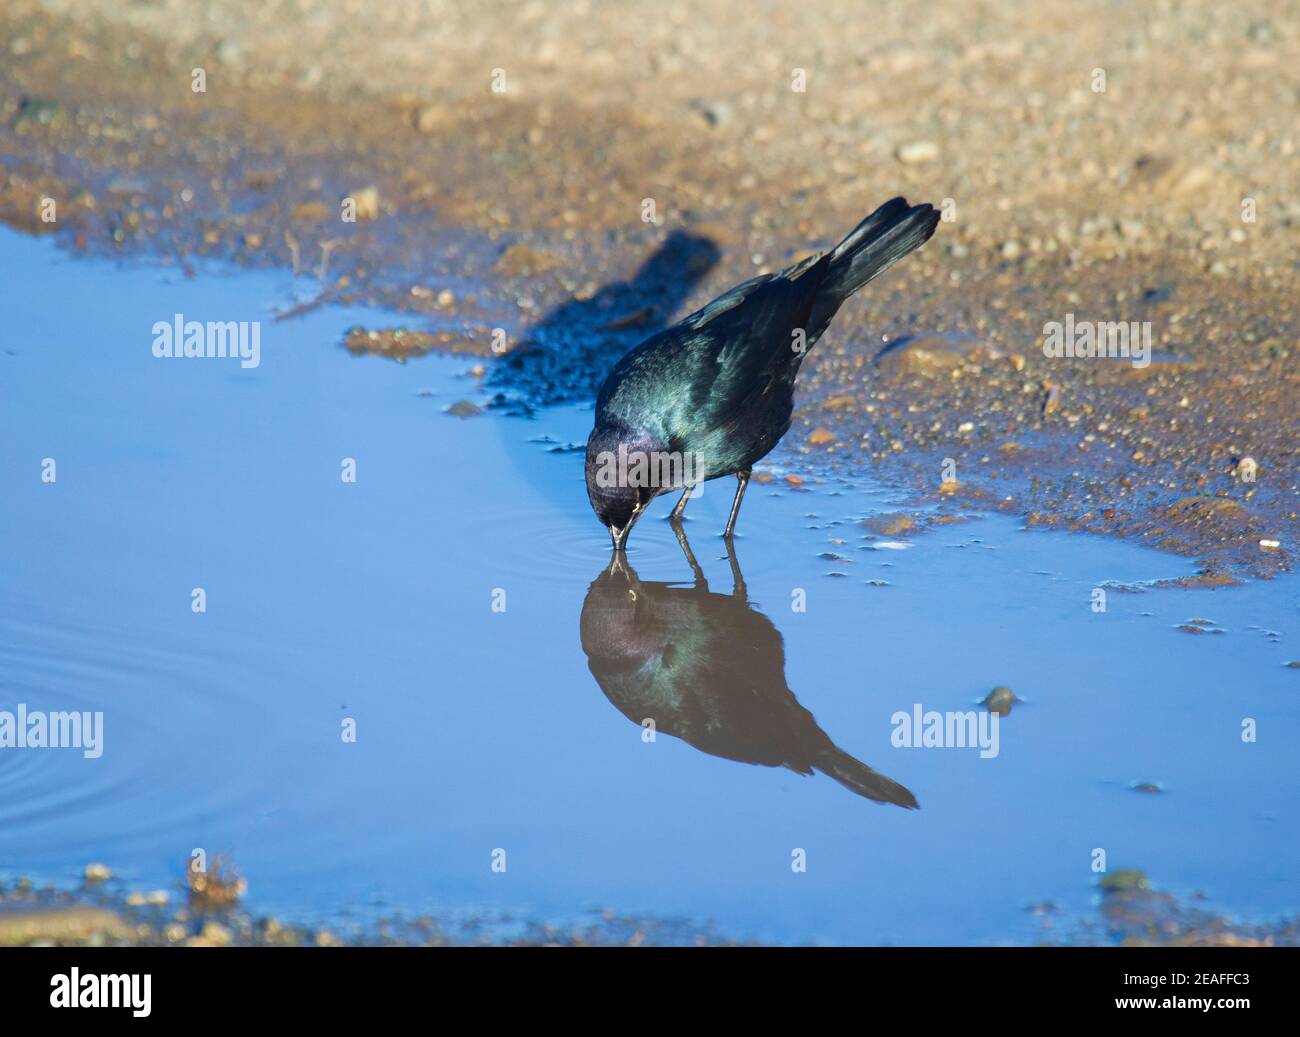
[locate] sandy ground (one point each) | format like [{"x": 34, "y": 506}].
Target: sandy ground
[{"x": 1094, "y": 160}]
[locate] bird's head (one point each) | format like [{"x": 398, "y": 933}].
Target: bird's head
[
  {"x": 622, "y": 624},
  {"x": 620, "y": 478}
]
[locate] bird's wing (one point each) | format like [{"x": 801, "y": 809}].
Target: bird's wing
[
  {"x": 738, "y": 345},
  {"x": 728, "y": 300},
  {"x": 753, "y": 344}
]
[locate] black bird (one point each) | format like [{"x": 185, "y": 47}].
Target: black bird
[
  {"x": 709, "y": 669},
  {"x": 713, "y": 394}
]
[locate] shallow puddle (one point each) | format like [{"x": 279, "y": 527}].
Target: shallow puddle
[{"x": 455, "y": 605}]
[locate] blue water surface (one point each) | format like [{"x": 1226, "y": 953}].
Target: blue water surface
[{"x": 482, "y": 728}]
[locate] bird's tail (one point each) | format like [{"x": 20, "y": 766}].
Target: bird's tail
[
  {"x": 856, "y": 776},
  {"x": 874, "y": 245}
]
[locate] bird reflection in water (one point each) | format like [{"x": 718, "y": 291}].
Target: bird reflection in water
[{"x": 709, "y": 669}]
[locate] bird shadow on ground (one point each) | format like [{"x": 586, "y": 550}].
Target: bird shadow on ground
[{"x": 566, "y": 355}]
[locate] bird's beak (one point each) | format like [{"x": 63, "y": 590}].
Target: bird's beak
[
  {"x": 619, "y": 536},
  {"x": 617, "y": 565}
]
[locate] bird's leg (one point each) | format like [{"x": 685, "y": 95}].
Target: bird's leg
[
  {"x": 738, "y": 588},
  {"x": 680, "y": 507},
  {"x": 742, "y": 480},
  {"x": 700, "y": 581}
]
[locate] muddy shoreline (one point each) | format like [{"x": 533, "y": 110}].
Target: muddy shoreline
[
  {"x": 522, "y": 211},
  {"x": 1130, "y": 912}
]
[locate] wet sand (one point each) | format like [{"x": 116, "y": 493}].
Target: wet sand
[
  {"x": 520, "y": 208},
  {"x": 1130, "y": 913}
]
